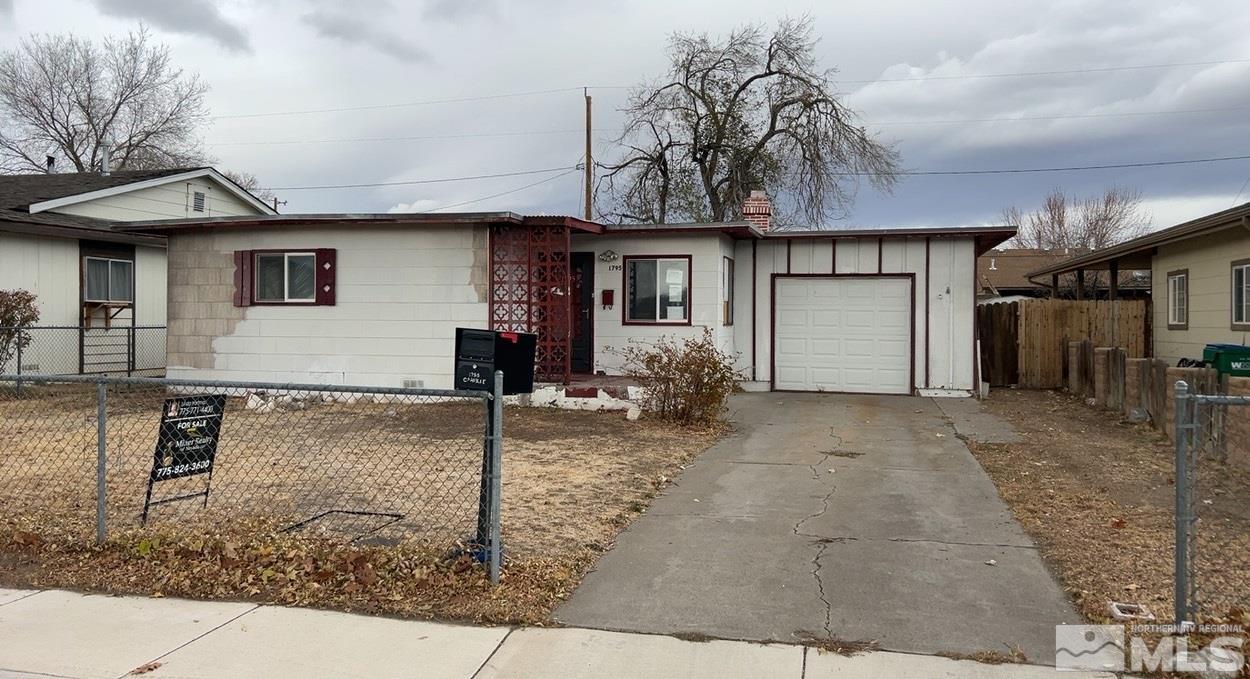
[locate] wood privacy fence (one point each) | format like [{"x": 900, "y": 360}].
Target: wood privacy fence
[{"x": 1025, "y": 343}]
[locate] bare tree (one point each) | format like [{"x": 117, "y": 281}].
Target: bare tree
[
  {"x": 68, "y": 97},
  {"x": 248, "y": 181},
  {"x": 1068, "y": 222},
  {"x": 749, "y": 110}
]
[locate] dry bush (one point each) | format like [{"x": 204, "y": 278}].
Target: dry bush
[
  {"x": 686, "y": 381},
  {"x": 17, "y": 308}
]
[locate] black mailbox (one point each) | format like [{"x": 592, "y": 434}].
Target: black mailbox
[{"x": 479, "y": 353}]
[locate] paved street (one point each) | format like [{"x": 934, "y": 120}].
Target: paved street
[{"x": 853, "y": 517}]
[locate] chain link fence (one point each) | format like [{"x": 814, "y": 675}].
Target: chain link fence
[
  {"x": 78, "y": 350},
  {"x": 1212, "y": 581},
  {"x": 373, "y": 465}
]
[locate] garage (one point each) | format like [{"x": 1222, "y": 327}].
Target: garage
[{"x": 844, "y": 333}]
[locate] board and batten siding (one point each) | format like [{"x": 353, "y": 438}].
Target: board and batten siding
[
  {"x": 612, "y": 335},
  {"x": 167, "y": 201},
  {"x": 400, "y": 294},
  {"x": 47, "y": 267},
  {"x": 1209, "y": 261},
  {"x": 943, "y": 296}
]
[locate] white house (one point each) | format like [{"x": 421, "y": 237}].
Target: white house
[
  {"x": 92, "y": 281},
  {"x": 375, "y": 299}
]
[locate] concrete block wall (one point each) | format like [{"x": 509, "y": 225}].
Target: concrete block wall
[
  {"x": 1074, "y": 367},
  {"x": 1101, "y": 358},
  {"x": 1136, "y": 376},
  {"x": 201, "y": 307}
]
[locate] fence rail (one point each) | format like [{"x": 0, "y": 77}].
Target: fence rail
[
  {"x": 1212, "y": 551},
  {"x": 367, "y": 464},
  {"x": 79, "y": 350}
]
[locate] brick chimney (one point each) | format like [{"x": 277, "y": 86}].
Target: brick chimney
[{"x": 758, "y": 210}]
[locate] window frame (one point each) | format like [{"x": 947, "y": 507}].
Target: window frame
[
  {"x": 286, "y": 276},
  {"x": 1174, "y": 323},
  {"x": 111, "y": 261},
  {"x": 687, "y": 284},
  {"x": 1244, "y": 324},
  {"x": 727, "y": 291}
]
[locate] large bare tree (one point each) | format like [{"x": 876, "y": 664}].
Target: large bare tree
[
  {"x": 748, "y": 110},
  {"x": 1069, "y": 222},
  {"x": 68, "y": 97}
]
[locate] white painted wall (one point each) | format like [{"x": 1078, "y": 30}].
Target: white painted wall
[
  {"x": 47, "y": 267},
  {"x": 401, "y": 292},
  {"x": 612, "y": 335},
  {"x": 168, "y": 201},
  {"x": 946, "y": 282}
]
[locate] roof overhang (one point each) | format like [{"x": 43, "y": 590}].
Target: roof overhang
[
  {"x": 76, "y": 233},
  {"x": 221, "y": 179},
  {"x": 985, "y": 237},
  {"x": 1138, "y": 253},
  {"x": 164, "y": 226},
  {"x": 732, "y": 229}
]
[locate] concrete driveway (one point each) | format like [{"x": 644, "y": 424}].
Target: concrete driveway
[{"x": 853, "y": 517}]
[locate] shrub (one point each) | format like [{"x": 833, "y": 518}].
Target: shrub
[
  {"x": 686, "y": 381},
  {"x": 17, "y": 308}
]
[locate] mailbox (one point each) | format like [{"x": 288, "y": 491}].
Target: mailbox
[{"x": 479, "y": 353}]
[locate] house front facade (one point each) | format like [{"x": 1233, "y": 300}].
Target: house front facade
[
  {"x": 93, "y": 283},
  {"x": 1200, "y": 272},
  {"x": 375, "y": 299}
]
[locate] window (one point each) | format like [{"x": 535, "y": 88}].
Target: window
[
  {"x": 727, "y": 292},
  {"x": 284, "y": 277},
  {"x": 108, "y": 280},
  {"x": 1178, "y": 300},
  {"x": 197, "y": 201},
  {"x": 1241, "y": 295},
  {"x": 657, "y": 290}
]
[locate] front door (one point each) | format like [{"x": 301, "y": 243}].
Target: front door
[{"x": 582, "y": 308}]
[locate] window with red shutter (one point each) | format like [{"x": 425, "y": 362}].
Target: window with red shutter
[{"x": 287, "y": 277}]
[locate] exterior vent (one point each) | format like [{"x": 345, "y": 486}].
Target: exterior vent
[
  {"x": 29, "y": 368},
  {"x": 414, "y": 384},
  {"x": 197, "y": 201}
]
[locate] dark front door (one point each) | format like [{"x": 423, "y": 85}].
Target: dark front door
[{"x": 582, "y": 306}]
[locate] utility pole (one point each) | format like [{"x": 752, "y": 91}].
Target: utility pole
[
  {"x": 277, "y": 202},
  {"x": 590, "y": 166}
]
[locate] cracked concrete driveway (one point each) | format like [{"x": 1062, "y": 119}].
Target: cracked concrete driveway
[{"x": 854, "y": 517}]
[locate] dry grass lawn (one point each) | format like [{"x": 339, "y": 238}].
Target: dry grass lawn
[
  {"x": 572, "y": 481},
  {"x": 1098, "y": 494}
]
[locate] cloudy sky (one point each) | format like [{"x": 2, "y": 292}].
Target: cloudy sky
[{"x": 903, "y": 65}]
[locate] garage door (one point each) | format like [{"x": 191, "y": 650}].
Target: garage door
[{"x": 845, "y": 334}]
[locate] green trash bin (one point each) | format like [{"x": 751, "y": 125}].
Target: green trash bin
[{"x": 1228, "y": 359}]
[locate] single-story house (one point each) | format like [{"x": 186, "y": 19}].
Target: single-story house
[
  {"x": 1201, "y": 280},
  {"x": 57, "y": 241},
  {"x": 1003, "y": 276},
  {"x": 374, "y": 299}
]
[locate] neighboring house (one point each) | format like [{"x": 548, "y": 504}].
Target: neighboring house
[
  {"x": 57, "y": 241},
  {"x": 1201, "y": 280},
  {"x": 375, "y": 299},
  {"x": 1003, "y": 276}
]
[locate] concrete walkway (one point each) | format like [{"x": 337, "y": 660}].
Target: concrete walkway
[
  {"x": 852, "y": 517},
  {"x": 63, "y": 634}
]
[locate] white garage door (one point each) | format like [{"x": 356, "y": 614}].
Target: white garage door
[{"x": 843, "y": 334}]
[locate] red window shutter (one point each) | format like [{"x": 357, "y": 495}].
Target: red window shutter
[
  {"x": 243, "y": 277},
  {"x": 327, "y": 272}
]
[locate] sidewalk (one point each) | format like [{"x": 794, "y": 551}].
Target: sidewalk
[{"x": 64, "y": 634}]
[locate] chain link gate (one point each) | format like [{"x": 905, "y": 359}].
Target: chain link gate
[
  {"x": 1212, "y": 509},
  {"x": 84, "y": 456}
]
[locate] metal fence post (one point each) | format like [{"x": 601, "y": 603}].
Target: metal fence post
[
  {"x": 130, "y": 350},
  {"x": 1181, "y": 584},
  {"x": 19, "y": 361},
  {"x": 496, "y": 479},
  {"x": 101, "y": 458}
]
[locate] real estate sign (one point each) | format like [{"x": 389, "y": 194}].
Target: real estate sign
[{"x": 186, "y": 444}]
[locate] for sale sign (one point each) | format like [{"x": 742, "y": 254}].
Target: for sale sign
[{"x": 187, "y": 442}]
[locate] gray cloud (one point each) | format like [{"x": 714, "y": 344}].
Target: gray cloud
[
  {"x": 356, "y": 32},
  {"x": 194, "y": 17},
  {"x": 452, "y": 10},
  {"x": 6, "y": 8}
]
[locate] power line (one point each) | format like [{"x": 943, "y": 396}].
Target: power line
[
  {"x": 411, "y": 182},
  {"x": 1063, "y": 116},
  {"x": 1025, "y": 74},
  {"x": 371, "y": 107},
  {"x": 504, "y": 193},
  {"x": 467, "y": 135},
  {"x": 1070, "y": 168}
]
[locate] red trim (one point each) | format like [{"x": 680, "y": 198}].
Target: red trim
[
  {"x": 880, "y": 243},
  {"x": 689, "y": 290},
  {"x": 976, "y": 355},
  {"x": 788, "y": 244},
  {"x": 926, "y": 313},
  {"x": 833, "y": 264},
  {"x": 911, "y": 311},
  {"x": 326, "y": 276},
  {"x": 755, "y": 328},
  {"x": 250, "y": 284}
]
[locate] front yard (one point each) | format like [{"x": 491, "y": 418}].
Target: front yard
[
  {"x": 571, "y": 481},
  {"x": 1097, "y": 495}
]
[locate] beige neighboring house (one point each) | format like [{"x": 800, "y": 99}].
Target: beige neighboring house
[
  {"x": 92, "y": 282},
  {"x": 1201, "y": 280}
]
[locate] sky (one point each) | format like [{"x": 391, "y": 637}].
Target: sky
[{"x": 903, "y": 66}]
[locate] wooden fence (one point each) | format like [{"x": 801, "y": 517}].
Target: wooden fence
[{"x": 1026, "y": 343}]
